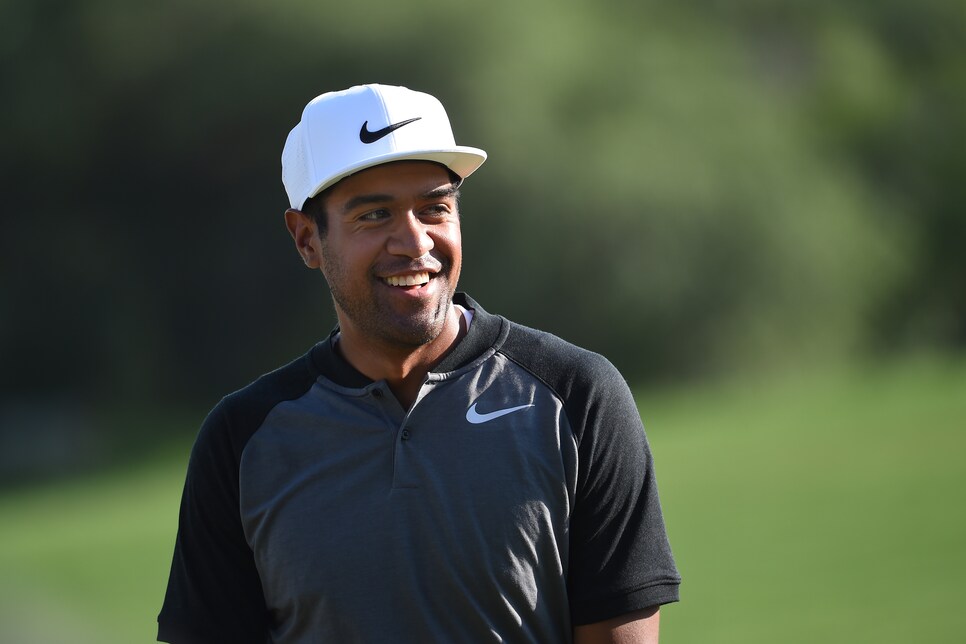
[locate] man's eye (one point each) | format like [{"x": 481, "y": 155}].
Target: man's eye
[
  {"x": 436, "y": 210},
  {"x": 375, "y": 215}
]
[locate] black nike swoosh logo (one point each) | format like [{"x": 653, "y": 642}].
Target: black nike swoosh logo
[{"x": 371, "y": 137}]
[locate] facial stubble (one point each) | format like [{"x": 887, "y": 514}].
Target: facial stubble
[{"x": 380, "y": 321}]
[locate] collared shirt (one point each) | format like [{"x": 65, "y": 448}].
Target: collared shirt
[{"x": 515, "y": 499}]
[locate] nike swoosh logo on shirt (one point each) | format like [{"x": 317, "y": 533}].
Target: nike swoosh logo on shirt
[
  {"x": 477, "y": 418},
  {"x": 371, "y": 137}
]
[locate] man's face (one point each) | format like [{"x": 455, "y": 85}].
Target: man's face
[{"x": 392, "y": 253}]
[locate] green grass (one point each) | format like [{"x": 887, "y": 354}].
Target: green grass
[
  {"x": 818, "y": 509},
  {"x": 824, "y": 508},
  {"x": 87, "y": 561}
]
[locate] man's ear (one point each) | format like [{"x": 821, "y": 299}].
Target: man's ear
[{"x": 304, "y": 232}]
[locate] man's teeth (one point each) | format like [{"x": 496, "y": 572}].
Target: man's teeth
[{"x": 408, "y": 280}]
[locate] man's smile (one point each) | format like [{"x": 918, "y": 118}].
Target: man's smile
[{"x": 417, "y": 279}]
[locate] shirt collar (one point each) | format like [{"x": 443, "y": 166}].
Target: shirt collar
[{"x": 482, "y": 335}]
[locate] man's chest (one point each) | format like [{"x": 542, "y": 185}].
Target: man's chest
[{"x": 472, "y": 487}]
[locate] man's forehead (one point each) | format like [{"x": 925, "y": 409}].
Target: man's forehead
[{"x": 397, "y": 178}]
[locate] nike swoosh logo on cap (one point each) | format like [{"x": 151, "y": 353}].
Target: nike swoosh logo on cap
[
  {"x": 371, "y": 137},
  {"x": 477, "y": 418}
]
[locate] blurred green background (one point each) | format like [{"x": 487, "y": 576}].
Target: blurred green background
[{"x": 753, "y": 208}]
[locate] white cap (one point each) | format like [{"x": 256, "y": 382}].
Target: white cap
[{"x": 344, "y": 132}]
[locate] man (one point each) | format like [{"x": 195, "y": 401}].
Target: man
[{"x": 430, "y": 472}]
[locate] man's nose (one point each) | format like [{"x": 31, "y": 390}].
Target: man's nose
[{"x": 410, "y": 237}]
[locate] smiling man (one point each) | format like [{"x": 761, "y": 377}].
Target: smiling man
[
  {"x": 429, "y": 472},
  {"x": 392, "y": 276}
]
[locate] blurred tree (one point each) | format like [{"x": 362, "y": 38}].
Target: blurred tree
[
  {"x": 691, "y": 188},
  {"x": 908, "y": 142}
]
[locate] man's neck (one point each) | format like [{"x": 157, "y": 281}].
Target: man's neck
[{"x": 403, "y": 368}]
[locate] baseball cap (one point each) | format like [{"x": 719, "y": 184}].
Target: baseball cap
[{"x": 347, "y": 131}]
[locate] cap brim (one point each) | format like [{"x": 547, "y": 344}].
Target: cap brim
[{"x": 462, "y": 160}]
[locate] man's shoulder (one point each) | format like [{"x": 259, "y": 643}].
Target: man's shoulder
[
  {"x": 232, "y": 422},
  {"x": 559, "y": 363},
  {"x": 595, "y": 396},
  {"x": 565, "y": 366},
  {"x": 253, "y": 401}
]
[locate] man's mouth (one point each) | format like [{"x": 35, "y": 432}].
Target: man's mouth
[{"x": 416, "y": 279}]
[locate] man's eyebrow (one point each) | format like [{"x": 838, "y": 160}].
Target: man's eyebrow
[
  {"x": 449, "y": 190},
  {"x": 365, "y": 200}
]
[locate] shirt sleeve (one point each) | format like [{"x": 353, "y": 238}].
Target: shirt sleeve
[
  {"x": 620, "y": 559},
  {"x": 214, "y": 593}
]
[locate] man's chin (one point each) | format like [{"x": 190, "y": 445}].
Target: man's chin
[
  {"x": 412, "y": 333},
  {"x": 410, "y": 324}
]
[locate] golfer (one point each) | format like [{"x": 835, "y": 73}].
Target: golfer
[{"x": 430, "y": 471}]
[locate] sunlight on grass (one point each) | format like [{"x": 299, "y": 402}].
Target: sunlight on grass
[
  {"x": 825, "y": 509},
  {"x": 88, "y": 559}
]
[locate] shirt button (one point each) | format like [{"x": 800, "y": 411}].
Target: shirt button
[
  {"x": 377, "y": 393},
  {"x": 406, "y": 434}
]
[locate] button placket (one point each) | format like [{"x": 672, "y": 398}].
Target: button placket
[{"x": 404, "y": 476}]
